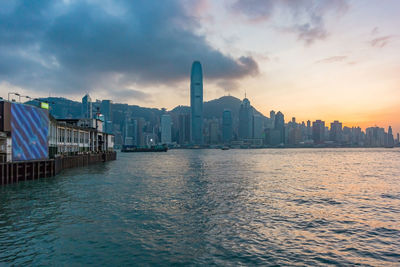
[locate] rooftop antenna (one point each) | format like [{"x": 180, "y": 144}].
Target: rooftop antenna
[{"x": 245, "y": 94}]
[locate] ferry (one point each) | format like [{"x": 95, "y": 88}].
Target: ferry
[{"x": 157, "y": 148}]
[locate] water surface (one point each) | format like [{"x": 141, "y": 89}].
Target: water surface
[{"x": 248, "y": 207}]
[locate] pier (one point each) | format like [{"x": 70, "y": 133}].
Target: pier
[
  {"x": 14, "y": 172},
  {"x": 34, "y": 145}
]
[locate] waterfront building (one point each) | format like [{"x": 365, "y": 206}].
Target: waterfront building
[
  {"x": 196, "y": 103},
  {"x": 390, "y": 139},
  {"x": 274, "y": 137},
  {"x": 166, "y": 129},
  {"x": 141, "y": 124},
  {"x": 318, "y": 131},
  {"x": 294, "y": 132},
  {"x": 213, "y": 132},
  {"x": 227, "y": 126},
  {"x": 106, "y": 110},
  {"x": 25, "y": 139},
  {"x": 271, "y": 123},
  {"x": 375, "y": 137},
  {"x": 183, "y": 129},
  {"x": 130, "y": 132},
  {"x": 356, "y": 136},
  {"x": 245, "y": 120},
  {"x": 258, "y": 126},
  {"x": 336, "y": 132},
  {"x": 280, "y": 127},
  {"x": 87, "y": 108}
]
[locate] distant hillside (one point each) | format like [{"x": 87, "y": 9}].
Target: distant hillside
[
  {"x": 61, "y": 107},
  {"x": 215, "y": 108},
  {"x": 65, "y": 108}
]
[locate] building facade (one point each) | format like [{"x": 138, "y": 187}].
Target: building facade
[{"x": 196, "y": 103}]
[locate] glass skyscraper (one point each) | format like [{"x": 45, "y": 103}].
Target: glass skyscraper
[
  {"x": 87, "y": 111},
  {"x": 196, "y": 103},
  {"x": 245, "y": 120}
]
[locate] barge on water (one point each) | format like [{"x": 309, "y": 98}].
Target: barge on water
[{"x": 158, "y": 148}]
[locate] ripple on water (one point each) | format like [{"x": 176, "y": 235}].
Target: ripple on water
[{"x": 210, "y": 207}]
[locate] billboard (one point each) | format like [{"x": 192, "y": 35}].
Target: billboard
[{"x": 29, "y": 132}]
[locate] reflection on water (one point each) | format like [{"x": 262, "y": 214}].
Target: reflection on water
[{"x": 304, "y": 206}]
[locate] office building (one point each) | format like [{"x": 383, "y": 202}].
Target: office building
[
  {"x": 245, "y": 120},
  {"x": 87, "y": 109},
  {"x": 318, "y": 131},
  {"x": 106, "y": 110},
  {"x": 279, "y": 127},
  {"x": 335, "y": 133},
  {"x": 258, "y": 126},
  {"x": 165, "y": 129},
  {"x": 196, "y": 103}
]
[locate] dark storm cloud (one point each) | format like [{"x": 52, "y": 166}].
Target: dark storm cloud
[
  {"x": 308, "y": 16},
  {"x": 79, "y": 46}
]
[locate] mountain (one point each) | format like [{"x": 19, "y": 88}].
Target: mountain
[
  {"x": 215, "y": 108},
  {"x": 61, "y": 108},
  {"x": 64, "y": 108}
]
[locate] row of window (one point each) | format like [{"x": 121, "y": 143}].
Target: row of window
[{"x": 69, "y": 136}]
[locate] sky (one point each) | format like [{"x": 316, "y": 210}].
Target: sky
[{"x": 310, "y": 59}]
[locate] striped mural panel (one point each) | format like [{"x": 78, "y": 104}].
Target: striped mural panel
[{"x": 29, "y": 132}]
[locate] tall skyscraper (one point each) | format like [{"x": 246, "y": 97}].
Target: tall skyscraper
[
  {"x": 130, "y": 132},
  {"x": 196, "y": 103},
  {"x": 390, "y": 139},
  {"x": 245, "y": 120},
  {"x": 280, "y": 126},
  {"x": 318, "y": 131},
  {"x": 87, "y": 110},
  {"x": 106, "y": 110},
  {"x": 184, "y": 129},
  {"x": 271, "y": 123},
  {"x": 227, "y": 127},
  {"x": 258, "y": 126},
  {"x": 165, "y": 129},
  {"x": 335, "y": 133},
  {"x": 213, "y": 129}
]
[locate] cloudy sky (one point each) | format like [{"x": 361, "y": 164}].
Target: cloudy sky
[{"x": 312, "y": 59}]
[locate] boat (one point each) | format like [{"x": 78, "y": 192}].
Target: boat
[
  {"x": 224, "y": 148},
  {"x": 158, "y": 148}
]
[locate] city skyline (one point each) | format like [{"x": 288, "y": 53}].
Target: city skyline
[{"x": 328, "y": 60}]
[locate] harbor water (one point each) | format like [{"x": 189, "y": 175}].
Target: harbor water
[{"x": 210, "y": 207}]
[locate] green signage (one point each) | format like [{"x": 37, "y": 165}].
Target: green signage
[{"x": 44, "y": 105}]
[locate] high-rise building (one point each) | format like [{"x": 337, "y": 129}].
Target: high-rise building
[
  {"x": 196, "y": 103},
  {"x": 184, "y": 129},
  {"x": 335, "y": 133},
  {"x": 87, "y": 110},
  {"x": 213, "y": 129},
  {"x": 280, "y": 126},
  {"x": 271, "y": 123},
  {"x": 375, "y": 137},
  {"x": 258, "y": 126},
  {"x": 318, "y": 131},
  {"x": 245, "y": 120},
  {"x": 390, "y": 139},
  {"x": 130, "y": 132},
  {"x": 165, "y": 129},
  {"x": 227, "y": 126},
  {"x": 106, "y": 110}
]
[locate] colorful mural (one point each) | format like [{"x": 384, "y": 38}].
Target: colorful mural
[{"x": 30, "y": 130}]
